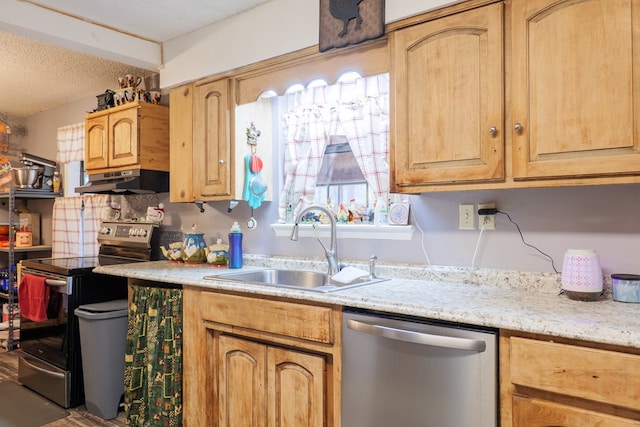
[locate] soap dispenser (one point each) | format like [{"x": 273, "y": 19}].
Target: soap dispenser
[{"x": 235, "y": 246}]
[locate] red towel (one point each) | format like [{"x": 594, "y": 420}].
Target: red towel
[{"x": 33, "y": 297}]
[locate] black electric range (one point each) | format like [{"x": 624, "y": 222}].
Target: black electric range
[{"x": 50, "y": 360}]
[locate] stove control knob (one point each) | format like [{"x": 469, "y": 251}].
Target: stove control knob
[
  {"x": 143, "y": 233},
  {"x": 132, "y": 231}
]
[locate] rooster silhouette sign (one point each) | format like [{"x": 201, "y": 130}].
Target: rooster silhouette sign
[
  {"x": 345, "y": 11},
  {"x": 345, "y": 22}
]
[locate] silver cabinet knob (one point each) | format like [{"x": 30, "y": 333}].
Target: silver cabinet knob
[
  {"x": 221, "y": 161},
  {"x": 518, "y": 128},
  {"x": 493, "y": 131}
]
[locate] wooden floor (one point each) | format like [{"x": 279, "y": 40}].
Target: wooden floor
[{"x": 77, "y": 416}]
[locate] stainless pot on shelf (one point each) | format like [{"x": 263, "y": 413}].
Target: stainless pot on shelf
[{"x": 26, "y": 177}]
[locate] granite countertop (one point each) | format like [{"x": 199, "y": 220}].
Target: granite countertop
[{"x": 520, "y": 301}]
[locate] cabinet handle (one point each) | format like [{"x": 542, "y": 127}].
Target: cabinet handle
[
  {"x": 221, "y": 161},
  {"x": 493, "y": 131},
  {"x": 518, "y": 128}
]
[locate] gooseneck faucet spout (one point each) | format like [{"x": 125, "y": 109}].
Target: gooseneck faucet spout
[{"x": 332, "y": 252}]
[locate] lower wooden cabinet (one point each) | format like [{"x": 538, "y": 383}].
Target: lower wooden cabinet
[
  {"x": 540, "y": 413},
  {"x": 546, "y": 383},
  {"x": 258, "y": 362},
  {"x": 264, "y": 385}
]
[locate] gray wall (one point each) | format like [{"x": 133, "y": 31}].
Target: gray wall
[
  {"x": 554, "y": 220},
  {"x": 603, "y": 218}
]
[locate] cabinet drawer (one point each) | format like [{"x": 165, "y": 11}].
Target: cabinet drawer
[
  {"x": 599, "y": 375},
  {"x": 283, "y": 318},
  {"x": 541, "y": 413}
]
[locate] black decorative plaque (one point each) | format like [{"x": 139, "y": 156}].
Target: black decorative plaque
[{"x": 345, "y": 22}]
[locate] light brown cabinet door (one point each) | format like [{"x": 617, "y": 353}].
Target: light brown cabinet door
[
  {"x": 181, "y": 144},
  {"x": 539, "y": 413},
  {"x": 576, "y": 80},
  {"x": 296, "y": 389},
  {"x": 123, "y": 138},
  {"x": 261, "y": 385},
  {"x": 96, "y": 142},
  {"x": 212, "y": 159},
  {"x": 447, "y": 105},
  {"x": 242, "y": 383}
]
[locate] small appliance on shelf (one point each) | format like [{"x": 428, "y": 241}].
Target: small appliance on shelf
[{"x": 34, "y": 173}]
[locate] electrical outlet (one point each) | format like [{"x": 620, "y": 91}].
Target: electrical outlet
[
  {"x": 489, "y": 221},
  {"x": 467, "y": 217}
]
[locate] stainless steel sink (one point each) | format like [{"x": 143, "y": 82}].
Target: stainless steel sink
[{"x": 307, "y": 280}]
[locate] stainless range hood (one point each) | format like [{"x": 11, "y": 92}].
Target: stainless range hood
[{"x": 134, "y": 181}]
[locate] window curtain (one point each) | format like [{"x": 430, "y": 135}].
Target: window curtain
[
  {"x": 153, "y": 360},
  {"x": 70, "y": 143},
  {"x": 358, "y": 109},
  {"x": 306, "y": 139},
  {"x": 75, "y": 223}
]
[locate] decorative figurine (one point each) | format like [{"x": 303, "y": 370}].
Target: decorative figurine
[{"x": 193, "y": 247}]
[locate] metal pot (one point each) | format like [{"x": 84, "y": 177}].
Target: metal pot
[{"x": 26, "y": 177}]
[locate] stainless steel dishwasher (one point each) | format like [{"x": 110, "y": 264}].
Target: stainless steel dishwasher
[{"x": 408, "y": 372}]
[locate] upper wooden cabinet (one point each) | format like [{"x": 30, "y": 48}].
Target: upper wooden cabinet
[
  {"x": 132, "y": 136},
  {"x": 201, "y": 142},
  {"x": 575, "y": 80},
  {"x": 181, "y": 145},
  {"x": 212, "y": 124},
  {"x": 447, "y": 98},
  {"x": 571, "y": 115}
]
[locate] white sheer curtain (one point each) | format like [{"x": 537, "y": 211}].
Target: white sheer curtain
[
  {"x": 70, "y": 143},
  {"x": 306, "y": 139},
  {"x": 358, "y": 109},
  {"x": 75, "y": 219}
]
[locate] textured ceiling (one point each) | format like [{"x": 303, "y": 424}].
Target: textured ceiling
[{"x": 38, "y": 75}]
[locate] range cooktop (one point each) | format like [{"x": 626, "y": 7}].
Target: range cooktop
[{"x": 75, "y": 265}]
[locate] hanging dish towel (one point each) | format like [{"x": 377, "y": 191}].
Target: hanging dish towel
[{"x": 33, "y": 297}]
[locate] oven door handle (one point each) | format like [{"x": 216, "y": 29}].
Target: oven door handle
[
  {"x": 418, "y": 337},
  {"x": 55, "y": 282},
  {"x": 41, "y": 370}
]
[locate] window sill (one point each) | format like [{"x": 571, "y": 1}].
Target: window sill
[{"x": 348, "y": 231}]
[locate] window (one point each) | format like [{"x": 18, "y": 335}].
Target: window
[
  {"x": 70, "y": 155},
  {"x": 336, "y": 146}
]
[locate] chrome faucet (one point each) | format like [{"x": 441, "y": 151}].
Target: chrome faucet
[{"x": 332, "y": 253}]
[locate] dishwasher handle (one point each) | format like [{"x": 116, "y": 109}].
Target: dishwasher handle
[{"x": 418, "y": 337}]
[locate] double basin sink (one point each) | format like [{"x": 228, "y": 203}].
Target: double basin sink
[{"x": 303, "y": 280}]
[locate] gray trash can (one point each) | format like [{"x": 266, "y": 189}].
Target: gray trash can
[{"x": 103, "y": 339}]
